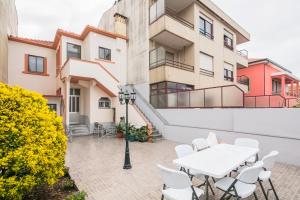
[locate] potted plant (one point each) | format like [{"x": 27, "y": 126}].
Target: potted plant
[
  {"x": 132, "y": 133},
  {"x": 120, "y": 131},
  {"x": 142, "y": 134}
]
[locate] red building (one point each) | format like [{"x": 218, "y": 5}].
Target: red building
[{"x": 270, "y": 84}]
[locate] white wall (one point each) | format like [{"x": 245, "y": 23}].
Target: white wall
[
  {"x": 57, "y": 101},
  {"x": 45, "y": 85},
  {"x": 276, "y": 129}
]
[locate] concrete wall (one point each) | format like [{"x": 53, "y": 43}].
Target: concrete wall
[
  {"x": 137, "y": 12},
  {"x": 275, "y": 129},
  {"x": 8, "y": 26}
]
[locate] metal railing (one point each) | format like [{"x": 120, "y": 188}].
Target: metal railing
[
  {"x": 172, "y": 63},
  {"x": 159, "y": 9},
  {"x": 230, "y": 96},
  {"x": 158, "y": 59},
  {"x": 175, "y": 16},
  {"x": 206, "y": 34},
  {"x": 269, "y": 101},
  {"x": 243, "y": 53}
]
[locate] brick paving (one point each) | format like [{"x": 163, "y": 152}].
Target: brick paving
[{"x": 96, "y": 166}]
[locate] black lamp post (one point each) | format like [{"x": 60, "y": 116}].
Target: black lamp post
[{"x": 127, "y": 98}]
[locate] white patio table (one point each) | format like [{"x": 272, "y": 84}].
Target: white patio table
[{"x": 217, "y": 161}]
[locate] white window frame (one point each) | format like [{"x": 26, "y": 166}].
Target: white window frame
[
  {"x": 74, "y": 99},
  {"x": 103, "y": 102},
  {"x": 206, "y": 68}
]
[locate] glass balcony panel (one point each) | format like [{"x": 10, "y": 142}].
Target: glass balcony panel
[
  {"x": 172, "y": 100},
  {"x": 197, "y": 98},
  {"x": 232, "y": 97},
  {"x": 183, "y": 99},
  {"x": 213, "y": 97}
]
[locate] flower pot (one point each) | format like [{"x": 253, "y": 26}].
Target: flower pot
[
  {"x": 131, "y": 138},
  {"x": 120, "y": 135}
]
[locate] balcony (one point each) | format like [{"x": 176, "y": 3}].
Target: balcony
[
  {"x": 168, "y": 28},
  {"x": 89, "y": 70},
  {"x": 242, "y": 58},
  {"x": 164, "y": 67}
]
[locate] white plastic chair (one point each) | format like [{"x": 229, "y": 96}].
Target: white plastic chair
[
  {"x": 177, "y": 185},
  {"x": 265, "y": 174},
  {"x": 247, "y": 142},
  {"x": 244, "y": 185},
  {"x": 212, "y": 139},
  {"x": 185, "y": 150},
  {"x": 200, "y": 144}
]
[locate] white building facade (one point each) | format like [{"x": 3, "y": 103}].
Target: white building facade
[{"x": 79, "y": 74}]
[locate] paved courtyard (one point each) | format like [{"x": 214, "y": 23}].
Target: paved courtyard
[{"x": 96, "y": 166}]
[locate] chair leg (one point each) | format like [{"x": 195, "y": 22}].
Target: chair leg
[
  {"x": 210, "y": 187},
  {"x": 263, "y": 189},
  {"x": 255, "y": 196},
  {"x": 273, "y": 189},
  {"x": 162, "y": 196}
]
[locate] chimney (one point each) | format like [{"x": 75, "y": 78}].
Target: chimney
[{"x": 120, "y": 24}]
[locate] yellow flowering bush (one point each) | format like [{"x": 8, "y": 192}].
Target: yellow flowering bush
[{"x": 32, "y": 142}]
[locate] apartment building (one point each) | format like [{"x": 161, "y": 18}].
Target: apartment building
[
  {"x": 79, "y": 74},
  {"x": 8, "y": 26},
  {"x": 270, "y": 84},
  {"x": 178, "y": 46}
]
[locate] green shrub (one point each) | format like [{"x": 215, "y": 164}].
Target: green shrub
[
  {"x": 78, "y": 196},
  {"x": 68, "y": 184},
  {"x": 32, "y": 142}
]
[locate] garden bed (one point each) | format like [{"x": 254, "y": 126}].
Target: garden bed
[{"x": 64, "y": 189}]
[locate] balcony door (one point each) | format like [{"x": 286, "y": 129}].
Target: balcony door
[{"x": 74, "y": 105}]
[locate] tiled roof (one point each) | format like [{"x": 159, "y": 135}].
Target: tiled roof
[
  {"x": 257, "y": 60},
  {"x": 42, "y": 43},
  {"x": 61, "y": 32}
]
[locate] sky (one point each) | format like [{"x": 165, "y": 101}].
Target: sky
[{"x": 273, "y": 24}]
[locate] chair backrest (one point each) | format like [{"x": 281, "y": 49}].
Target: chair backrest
[
  {"x": 183, "y": 150},
  {"x": 269, "y": 160},
  {"x": 250, "y": 174},
  {"x": 174, "y": 179},
  {"x": 212, "y": 139},
  {"x": 199, "y": 144},
  {"x": 246, "y": 142}
]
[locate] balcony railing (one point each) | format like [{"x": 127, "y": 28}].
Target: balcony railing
[
  {"x": 158, "y": 58},
  {"x": 159, "y": 9},
  {"x": 269, "y": 101},
  {"x": 229, "y": 96},
  {"x": 243, "y": 53}
]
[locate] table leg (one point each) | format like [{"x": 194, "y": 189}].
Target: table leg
[{"x": 206, "y": 187}]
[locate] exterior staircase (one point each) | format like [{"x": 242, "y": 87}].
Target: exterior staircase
[
  {"x": 150, "y": 115},
  {"x": 155, "y": 134},
  {"x": 79, "y": 129}
]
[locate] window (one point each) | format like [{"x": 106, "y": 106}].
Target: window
[
  {"x": 104, "y": 53},
  {"x": 104, "y": 102},
  {"x": 161, "y": 94},
  {"x": 206, "y": 64},
  {"x": 276, "y": 86},
  {"x": 36, "y": 64},
  {"x": 206, "y": 27},
  {"x": 228, "y": 40},
  {"x": 228, "y": 72},
  {"x": 52, "y": 107},
  {"x": 74, "y": 100},
  {"x": 73, "y": 51}
]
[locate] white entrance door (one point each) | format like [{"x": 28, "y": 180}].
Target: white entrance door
[{"x": 74, "y": 105}]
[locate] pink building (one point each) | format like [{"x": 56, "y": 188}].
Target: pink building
[{"x": 270, "y": 84}]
